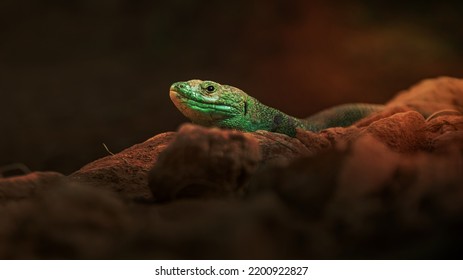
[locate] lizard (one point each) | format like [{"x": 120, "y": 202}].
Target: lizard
[{"x": 208, "y": 103}]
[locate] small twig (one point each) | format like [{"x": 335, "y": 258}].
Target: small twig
[
  {"x": 442, "y": 113},
  {"x": 107, "y": 149},
  {"x": 113, "y": 154}
]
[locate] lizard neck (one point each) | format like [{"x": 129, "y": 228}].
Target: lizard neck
[{"x": 258, "y": 116}]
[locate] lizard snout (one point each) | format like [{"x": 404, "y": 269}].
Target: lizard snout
[{"x": 177, "y": 86}]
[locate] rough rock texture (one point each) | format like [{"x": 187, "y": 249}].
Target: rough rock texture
[
  {"x": 389, "y": 187},
  {"x": 202, "y": 162},
  {"x": 373, "y": 202},
  {"x": 22, "y": 187},
  {"x": 125, "y": 172},
  {"x": 432, "y": 95}
]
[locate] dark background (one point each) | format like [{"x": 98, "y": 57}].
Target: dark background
[{"x": 78, "y": 73}]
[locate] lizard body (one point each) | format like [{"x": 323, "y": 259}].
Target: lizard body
[{"x": 212, "y": 104}]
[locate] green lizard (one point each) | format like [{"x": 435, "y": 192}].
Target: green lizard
[{"x": 212, "y": 104}]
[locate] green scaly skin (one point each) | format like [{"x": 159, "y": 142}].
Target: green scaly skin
[{"x": 211, "y": 104}]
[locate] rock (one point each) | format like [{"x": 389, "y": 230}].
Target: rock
[
  {"x": 305, "y": 184},
  {"x": 387, "y": 112},
  {"x": 432, "y": 95},
  {"x": 368, "y": 201},
  {"x": 25, "y": 186},
  {"x": 390, "y": 186},
  {"x": 399, "y": 127},
  {"x": 126, "y": 172},
  {"x": 402, "y": 132},
  {"x": 445, "y": 132},
  {"x": 204, "y": 162},
  {"x": 65, "y": 221},
  {"x": 392, "y": 199},
  {"x": 278, "y": 147}
]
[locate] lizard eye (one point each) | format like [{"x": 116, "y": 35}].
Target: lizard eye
[{"x": 210, "y": 89}]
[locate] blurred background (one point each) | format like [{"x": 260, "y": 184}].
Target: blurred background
[{"x": 78, "y": 73}]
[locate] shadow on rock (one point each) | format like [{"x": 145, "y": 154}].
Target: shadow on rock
[{"x": 204, "y": 162}]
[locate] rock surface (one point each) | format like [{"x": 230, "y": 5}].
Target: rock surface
[
  {"x": 204, "y": 162},
  {"x": 125, "y": 172},
  {"x": 390, "y": 186},
  {"x": 432, "y": 95}
]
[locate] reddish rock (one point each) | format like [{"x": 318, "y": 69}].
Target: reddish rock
[
  {"x": 25, "y": 186},
  {"x": 402, "y": 132},
  {"x": 444, "y": 132},
  {"x": 126, "y": 172},
  {"x": 388, "y": 187},
  {"x": 65, "y": 221},
  {"x": 432, "y": 95},
  {"x": 339, "y": 137},
  {"x": 387, "y": 112},
  {"x": 279, "y": 148},
  {"x": 368, "y": 166},
  {"x": 204, "y": 162}
]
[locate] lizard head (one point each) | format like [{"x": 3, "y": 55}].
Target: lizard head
[{"x": 208, "y": 103}]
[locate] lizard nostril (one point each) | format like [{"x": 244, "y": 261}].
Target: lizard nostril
[{"x": 178, "y": 85}]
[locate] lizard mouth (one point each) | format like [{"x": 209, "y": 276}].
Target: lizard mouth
[{"x": 183, "y": 101}]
